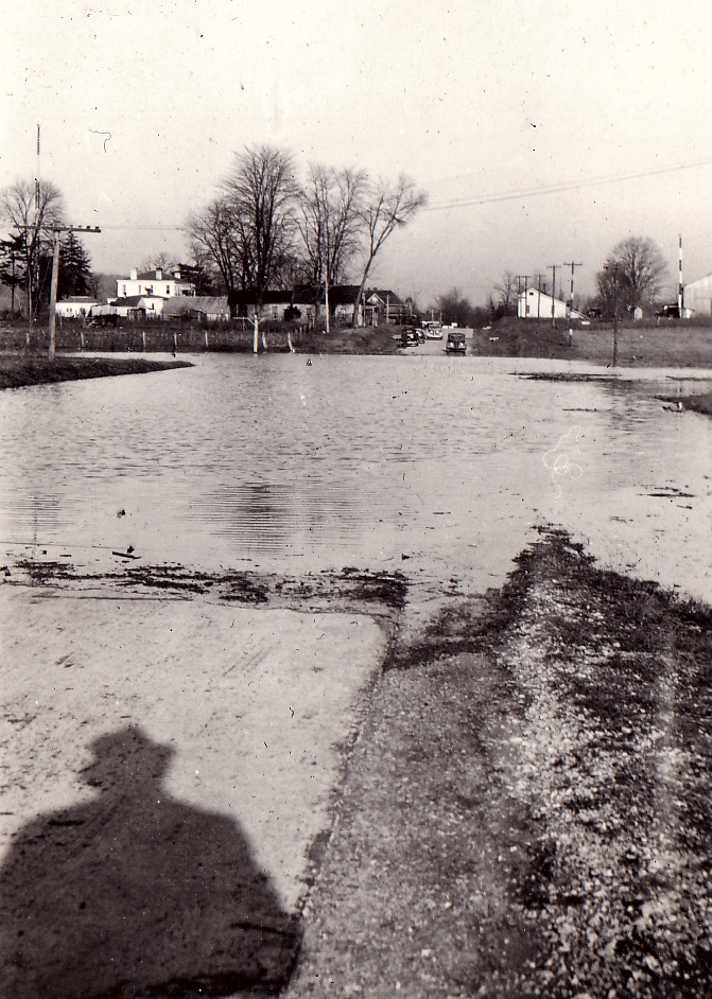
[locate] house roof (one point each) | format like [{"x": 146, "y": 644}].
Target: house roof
[
  {"x": 179, "y": 305},
  {"x": 130, "y": 302},
  {"x": 80, "y": 299},
  {"x": 385, "y": 294}
]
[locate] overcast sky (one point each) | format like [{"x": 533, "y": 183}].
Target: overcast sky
[{"x": 142, "y": 104}]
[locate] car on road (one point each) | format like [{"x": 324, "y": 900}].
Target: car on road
[
  {"x": 409, "y": 338},
  {"x": 433, "y": 333},
  {"x": 455, "y": 343}
]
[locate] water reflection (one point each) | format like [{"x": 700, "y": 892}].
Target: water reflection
[{"x": 351, "y": 461}]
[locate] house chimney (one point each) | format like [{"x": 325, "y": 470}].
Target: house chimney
[
  {"x": 159, "y": 274},
  {"x": 134, "y": 274}
]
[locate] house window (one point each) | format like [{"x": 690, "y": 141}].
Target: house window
[
  {"x": 123, "y": 291},
  {"x": 275, "y": 312},
  {"x": 168, "y": 289}
]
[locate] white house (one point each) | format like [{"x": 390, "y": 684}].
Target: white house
[
  {"x": 157, "y": 284},
  {"x": 698, "y": 296},
  {"x": 138, "y": 306},
  {"x": 537, "y": 304},
  {"x": 75, "y": 306}
]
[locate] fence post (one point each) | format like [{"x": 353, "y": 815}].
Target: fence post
[
  {"x": 175, "y": 342},
  {"x": 143, "y": 340},
  {"x": 81, "y": 339},
  {"x": 206, "y": 340}
]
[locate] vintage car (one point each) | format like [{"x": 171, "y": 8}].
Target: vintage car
[
  {"x": 455, "y": 343},
  {"x": 409, "y": 338}
]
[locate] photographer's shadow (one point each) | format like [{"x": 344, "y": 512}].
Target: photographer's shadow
[{"x": 137, "y": 894}]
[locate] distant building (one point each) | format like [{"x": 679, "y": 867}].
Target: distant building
[
  {"x": 138, "y": 306},
  {"x": 76, "y": 306},
  {"x": 280, "y": 303},
  {"x": 538, "y": 305},
  {"x": 214, "y": 308},
  {"x": 698, "y": 296},
  {"x": 156, "y": 284},
  {"x": 380, "y": 306}
]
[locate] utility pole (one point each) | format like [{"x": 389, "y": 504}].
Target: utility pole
[
  {"x": 525, "y": 279},
  {"x": 614, "y": 270},
  {"x": 680, "y": 286},
  {"x": 553, "y": 294},
  {"x": 572, "y": 264},
  {"x": 55, "y": 274},
  {"x": 538, "y": 294}
]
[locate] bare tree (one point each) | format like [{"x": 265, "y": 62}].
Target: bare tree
[
  {"x": 32, "y": 211},
  {"x": 259, "y": 194},
  {"x": 632, "y": 274},
  {"x": 328, "y": 221},
  {"x": 385, "y": 207},
  {"x": 215, "y": 243},
  {"x": 158, "y": 261},
  {"x": 507, "y": 291}
]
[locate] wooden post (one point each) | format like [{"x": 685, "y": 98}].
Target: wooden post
[
  {"x": 81, "y": 340},
  {"x": 256, "y": 335},
  {"x": 143, "y": 340},
  {"x": 53, "y": 294},
  {"x": 206, "y": 340}
]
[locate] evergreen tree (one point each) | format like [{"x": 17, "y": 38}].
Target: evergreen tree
[
  {"x": 13, "y": 256},
  {"x": 75, "y": 276}
]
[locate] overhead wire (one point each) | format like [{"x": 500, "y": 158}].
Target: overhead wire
[{"x": 485, "y": 199}]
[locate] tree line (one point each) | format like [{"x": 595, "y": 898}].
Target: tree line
[
  {"x": 631, "y": 276},
  {"x": 265, "y": 228},
  {"x": 31, "y": 212}
]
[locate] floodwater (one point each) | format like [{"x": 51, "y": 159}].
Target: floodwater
[{"x": 437, "y": 466}]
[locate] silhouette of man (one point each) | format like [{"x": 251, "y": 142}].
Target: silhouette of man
[{"x": 137, "y": 894}]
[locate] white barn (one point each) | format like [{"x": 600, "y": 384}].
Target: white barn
[
  {"x": 698, "y": 296},
  {"x": 75, "y": 306},
  {"x": 537, "y": 304}
]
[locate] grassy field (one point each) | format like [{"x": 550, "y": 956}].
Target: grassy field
[
  {"x": 17, "y": 370},
  {"x": 666, "y": 345}
]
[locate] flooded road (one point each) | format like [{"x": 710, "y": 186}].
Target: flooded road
[{"x": 439, "y": 466}]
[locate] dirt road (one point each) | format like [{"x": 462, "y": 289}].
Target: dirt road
[{"x": 168, "y": 767}]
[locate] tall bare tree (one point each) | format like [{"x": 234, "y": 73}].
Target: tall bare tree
[
  {"x": 32, "y": 212},
  {"x": 215, "y": 242},
  {"x": 632, "y": 274},
  {"x": 260, "y": 193},
  {"x": 386, "y": 206},
  {"x": 328, "y": 221},
  {"x": 507, "y": 290}
]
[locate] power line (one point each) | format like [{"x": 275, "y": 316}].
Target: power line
[
  {"x": 536, "y": 192},
  {"x": 483, "y": 199}
]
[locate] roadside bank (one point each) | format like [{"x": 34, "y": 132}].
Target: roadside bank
[
  {"x": 527, "y": 810},
  {"x": 17, "y": 370}
]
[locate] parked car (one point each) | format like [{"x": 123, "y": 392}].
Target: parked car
[
  {"x": 455, "y": 343},
  {"x": 668, "y": 312}
]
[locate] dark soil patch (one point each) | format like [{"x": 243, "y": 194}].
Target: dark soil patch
[{"x": 19, "y": 370}]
